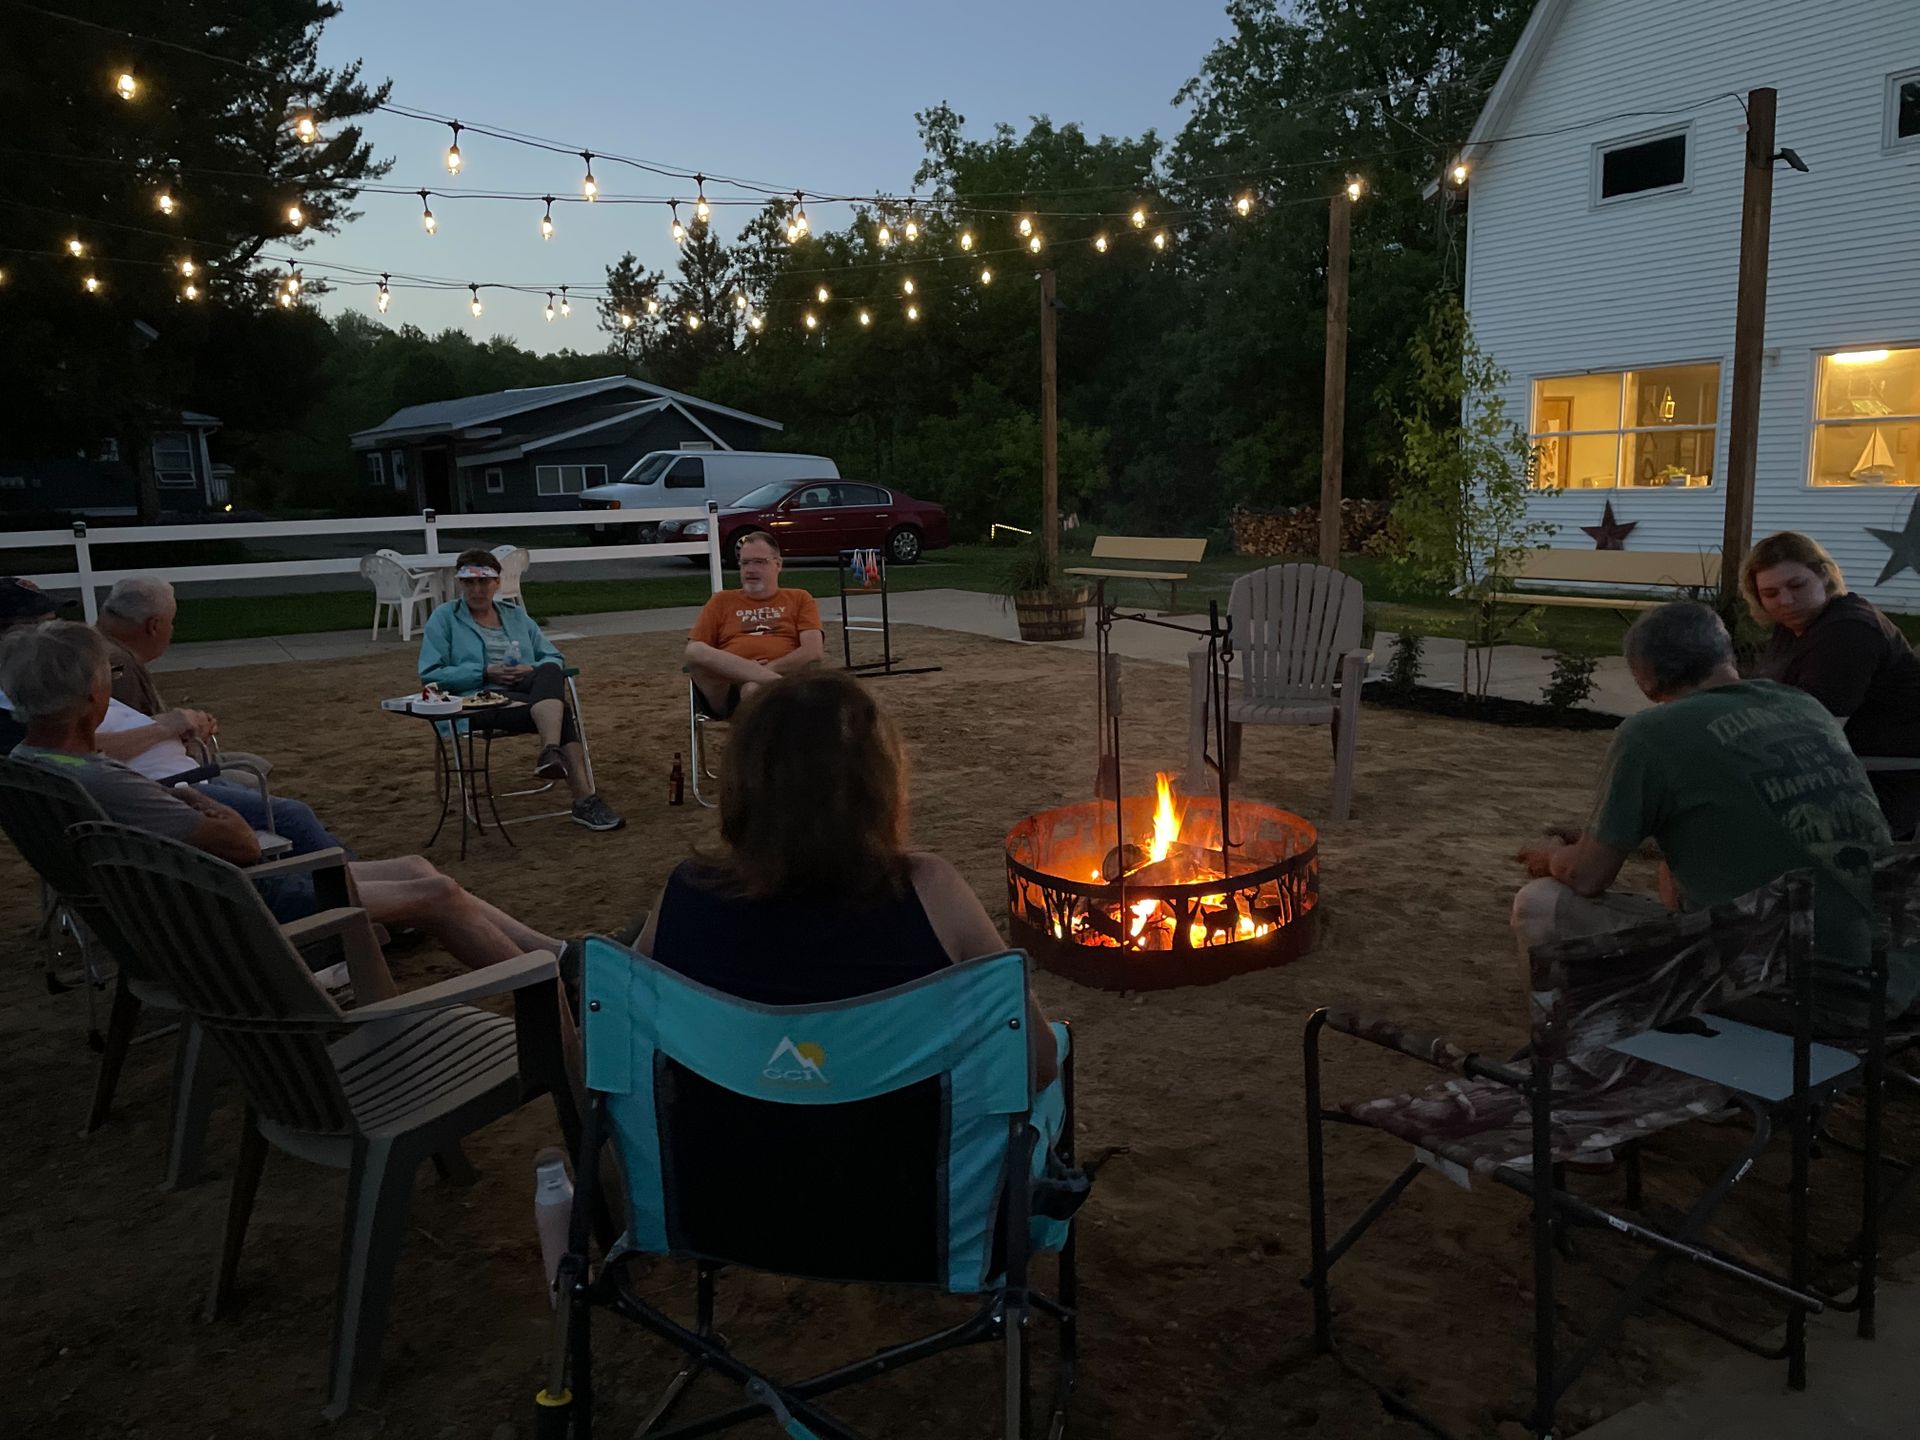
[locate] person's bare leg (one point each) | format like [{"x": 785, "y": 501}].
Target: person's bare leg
[
  {"x": 547, "y": 717},
  {"x": 436, "y": 907}
]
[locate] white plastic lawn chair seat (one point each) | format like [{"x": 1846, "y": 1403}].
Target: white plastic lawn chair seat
[
  {"x": 513, "y": 569},
  {"x": 1297, "y": 632},
  {"x": 398, "y": 589},
  {"x": 412, "y": 1076}
]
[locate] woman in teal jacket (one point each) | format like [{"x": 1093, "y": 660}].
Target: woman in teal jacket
[{"x": 473, "y": 643}]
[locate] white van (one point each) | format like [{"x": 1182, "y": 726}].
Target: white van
[{"x": 675, "y": 479}]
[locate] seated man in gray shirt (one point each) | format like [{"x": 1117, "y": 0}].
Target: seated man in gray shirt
[{"x": 57, "y": 678}]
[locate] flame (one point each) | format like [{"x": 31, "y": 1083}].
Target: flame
[
  {"x": 1166, "y": 821},
  {"x": 1142, "y": 912}
]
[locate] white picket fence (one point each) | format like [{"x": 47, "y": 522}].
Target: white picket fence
[{"x": 89, "y": 575}]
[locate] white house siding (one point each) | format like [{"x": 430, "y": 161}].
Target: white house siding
[{"x": 1556, "y": 284}]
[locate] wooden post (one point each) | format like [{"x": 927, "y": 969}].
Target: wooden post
[
  {"x": 1749, "y": 333},
  {"x": 1049, "y": 427},
  {"x": 1333, "y": 414}
]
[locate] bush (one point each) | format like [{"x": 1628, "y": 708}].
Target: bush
[
  {"x": 1406, "y": 660},
  {"x": 1572, "y": 679}
]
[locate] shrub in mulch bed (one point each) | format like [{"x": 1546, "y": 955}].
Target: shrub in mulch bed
[{"x": 1494, "y": 710}]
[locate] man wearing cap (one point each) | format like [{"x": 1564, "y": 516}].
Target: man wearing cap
[
  {"x": 472, "y": 643},
  {"x": 753, "y": 636}
]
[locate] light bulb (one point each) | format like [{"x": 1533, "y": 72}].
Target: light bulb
[
  {"x": 453, "y": 159},
  {"x": 702, "y": 211},
  {"x": 566, "y": 305},
  {"x": 885, "y": 237},
  {"x": 295, "y": 215},
  {"x": 1459, "y": 172},
  {"x": 1160, "y": 240},
  {"x": 293, "y": 283},
  {"x": 305, "y": 131},
  {"x": 693, "y": 322},
  {"x": 626, "y": 320},
  {"x": 191, "y": 292},
  {"x": 740, "y": 301},
  {"x": 426, "y": 214},
  {"x": 550, "y": 307},
  {"x": 1100, "y": 243},
  {"x": 866, "y": 318},
  {"x": 589, "y": 186},
  {"x": 384, "y": 298},
  {"x": 800, "y": 213},
  {"x": 676, "y": 229},
  {"x": 1034, "y": 244},
  {"x": 126, "y": 86},
  {"x": 165, "y": 202},
  {"x": 474, "y": 304},
  {"x": 75, "y": 248},
  {"x": 1139, "y": 218},
  {"x": 1244, "y": 205},
  {"x": 1355, "y": 188},
  {"x": 913, "y": 312},
  {"x": 1026, "y": 226},
  {"x": 911, "y": 230},
  {"x": 906, "y": 286},
  {"x": 756, "y": 323},
  {"x": 546, "y": 223},
  {"x": 653, "y": 306},
  {"x": 822, "y": 295},
  {"x": 286, "y": 300},
  {"x": 986, "y": 275},
  {"x": 187, "y": 267},
  {"x": 93, "y": 284},
  {"x": 966, "y": 240},
  {"x": 811, "y": 321},
  {"x": 793, "y": 233}
]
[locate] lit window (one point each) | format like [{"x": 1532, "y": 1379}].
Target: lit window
[
  {"x": 1650, "y": 429},
  {"x": 1866, "y": 418},
  {"x": 1642, "y": 166},
  {"x": 1903, "y": 108}
]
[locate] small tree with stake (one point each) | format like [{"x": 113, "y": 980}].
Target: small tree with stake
[{"x": 1460, "y": 510}]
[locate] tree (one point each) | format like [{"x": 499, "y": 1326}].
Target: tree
[
  {"x": 1461, "y": 508},
  {"x": 210, "y": 127},
  {"x": 628, "y": 314}
]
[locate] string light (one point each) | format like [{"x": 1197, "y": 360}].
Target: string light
[
  {"x": 453, "y": 150},
  {"x": 92, "y": 282},
  {"x": 1459, "y": 172},
  {"x": 385, "y": 297},
  {"x": 1244, "y": 205},
  {"x": 866, "y": 318},
  {"x": 549, "y": 310},
  {"x": 474, "y": 304},
  {"x": 1025, "y": 227},
  {"x": 187, "y": 267},
  {"x": 296, "y": 217},
  {"x": 190, "y": 292},
  {"x": 911, "y": 230},
  {"x": 1160, "y": 240},
  {"x": 677, "y": 230},
  {"x": 286, "y": 300},
  {"x": 913, "y": 312},
  {"x": 653, "y": 305},
  {"x": 1034, "y": 244},
  {"x": 966, "y": 240},
  {"x": 702, "y": 211},
  {"x": 986, "y": 275},
  {"x": 885, "y": 237},
  {"x": 293, "y": 281},
  {"x": 546, "y": 220},
  {"x": 800, "y": 224},
  {"x": 756, "y": 323},
  {"x": 693, "y": 320},
  {"x": 566, "y": 305},
  {"x": 126, "y": 87},
  {"x": 626, "y": 320},
  {"x": 166, "y": 203},
  {"x": 823, "y": 294},
  {"x": 426, "y": 214},
  {"x": 305, "y": 131},
  {"x": 811, "y": 321},
  {"x": 906, "y": 286},
  {"x": 1139, "y": 218},
  {"x": 1356, "y": 187},
  {"x": 75, "y": 248},
  {"x": 1100, "y": 243},
  {"x": 740, "y": 300},
  {"x": 589, "y": 187}
]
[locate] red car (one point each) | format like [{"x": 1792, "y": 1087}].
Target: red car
[{"x": 824, "y": 517}]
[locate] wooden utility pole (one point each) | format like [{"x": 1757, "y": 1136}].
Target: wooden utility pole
[
  {"x": 1749, "y": 332},
  {"x": 1049, "y": 428},
  {"x": 1333, "y": 414}
]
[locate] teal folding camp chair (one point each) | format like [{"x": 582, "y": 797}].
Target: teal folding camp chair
[{"x": 894, "y": 1122}]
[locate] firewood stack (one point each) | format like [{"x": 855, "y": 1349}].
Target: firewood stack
[{"x": 1363, "y": 527}]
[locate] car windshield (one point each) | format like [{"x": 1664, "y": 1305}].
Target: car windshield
[
  {"x": 647, "y": 472},
  {"x": 764, "y": 496}
]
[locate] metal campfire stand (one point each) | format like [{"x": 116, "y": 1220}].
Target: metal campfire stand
[{"x": 1218, "y": 633}]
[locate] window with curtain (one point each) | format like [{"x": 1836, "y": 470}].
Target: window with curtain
[
  {"x": 1866, "y": 417},
  {"x": 1649, "y": 429}
]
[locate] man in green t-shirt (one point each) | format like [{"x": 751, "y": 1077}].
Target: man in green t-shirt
[{"x": 1737, "y": 782}]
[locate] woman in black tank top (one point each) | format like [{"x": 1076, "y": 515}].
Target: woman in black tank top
[{"x": 817, "y": 897}]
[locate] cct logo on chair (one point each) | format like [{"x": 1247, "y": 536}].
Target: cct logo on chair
[{"x": 792, "y": 1064}]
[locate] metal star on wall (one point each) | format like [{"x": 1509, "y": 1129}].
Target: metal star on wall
[
  {"x": 1610, "y": 534},
  {"x": 1904, "y": 543}
]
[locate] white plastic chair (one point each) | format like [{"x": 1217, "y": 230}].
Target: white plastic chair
[
  {"x": 1296, "y": 631},
  {"x": 398, "y": 588},
  {"x": 513, "y": 568}
]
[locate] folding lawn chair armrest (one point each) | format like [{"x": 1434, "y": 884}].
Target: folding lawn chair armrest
[
  {"x": 366, "y": 965},
  {"x": 1888, "y": 764},
  {"x": 193, "y": 776},
  {"x": 328, "y": 859},
  {"x": 1440, "y": 1053},
  {"x": 501, "y": 979}
]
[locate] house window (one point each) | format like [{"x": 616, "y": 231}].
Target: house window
[
  {"x": 496, "y": 481},
  {"x": 109, "y": 451},
  {"x": 1903, "y": 108},
  {"x": 173, "y": 458},
  {"x": 567, "y": 479},
  {"x": 1652, "y": 428},
  {"x": 399, "y": 469},
  {"x": 1659, "y": 163},
  {"x": 376, "y": 468},
  {"x": 1866, "y": 418}
]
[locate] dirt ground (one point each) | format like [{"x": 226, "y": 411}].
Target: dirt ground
[{"x": 1192, "y": 1246}]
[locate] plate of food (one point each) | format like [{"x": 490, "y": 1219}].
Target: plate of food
[
  {"x": 484, "y": 700},
  {"x": 433, "y": 701}
]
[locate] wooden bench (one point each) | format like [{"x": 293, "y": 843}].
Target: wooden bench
[
  {"x": 1679, "y": 571},
  {"x": 1149, "y": 549}
]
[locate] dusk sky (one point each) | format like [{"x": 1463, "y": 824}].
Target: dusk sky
[{"x": 817, "y": 97}]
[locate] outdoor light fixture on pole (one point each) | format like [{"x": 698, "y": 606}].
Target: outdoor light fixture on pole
[{"x": 1333, "y": 412}]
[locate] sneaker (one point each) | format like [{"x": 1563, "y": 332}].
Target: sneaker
[
  {"x": 553, "y": 764},
  {"x": 596, "y": 814}
]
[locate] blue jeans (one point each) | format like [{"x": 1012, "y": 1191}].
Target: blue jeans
[{"x": 292, "y": 819}]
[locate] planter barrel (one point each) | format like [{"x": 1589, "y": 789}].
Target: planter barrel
[{"x": 1049, "y": 615}]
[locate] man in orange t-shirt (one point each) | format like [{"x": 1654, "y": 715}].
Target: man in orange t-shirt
[{"x": 755, "y": 635}]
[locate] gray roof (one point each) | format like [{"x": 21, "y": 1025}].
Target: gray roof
[{"x": 446, "y": 415}]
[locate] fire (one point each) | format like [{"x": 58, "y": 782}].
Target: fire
[{"x": 1166, "y": 820}]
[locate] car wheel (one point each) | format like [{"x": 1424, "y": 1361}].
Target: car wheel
[
  {"x": 903, "y": 546},
  {"x": 733, "y": 549}
]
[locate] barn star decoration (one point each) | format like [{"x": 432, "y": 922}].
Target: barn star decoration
[
  {"x": 1904, "y": 543},
  {"x": 1610, "y": 534}
]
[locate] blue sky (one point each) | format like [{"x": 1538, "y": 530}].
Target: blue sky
[{"x": 817, "y": 97}]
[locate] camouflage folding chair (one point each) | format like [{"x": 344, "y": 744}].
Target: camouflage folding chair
[{"x": 1581, "y": 1092}]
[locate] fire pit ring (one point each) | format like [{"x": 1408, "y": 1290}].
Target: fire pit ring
[{"x": 1176, "y": 922}]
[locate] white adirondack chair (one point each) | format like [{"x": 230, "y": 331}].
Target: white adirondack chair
[
  {"x": 513, "y": 568},
  {"x": 398, "y": 588},
  {"x": 1296, "y": 632}
]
